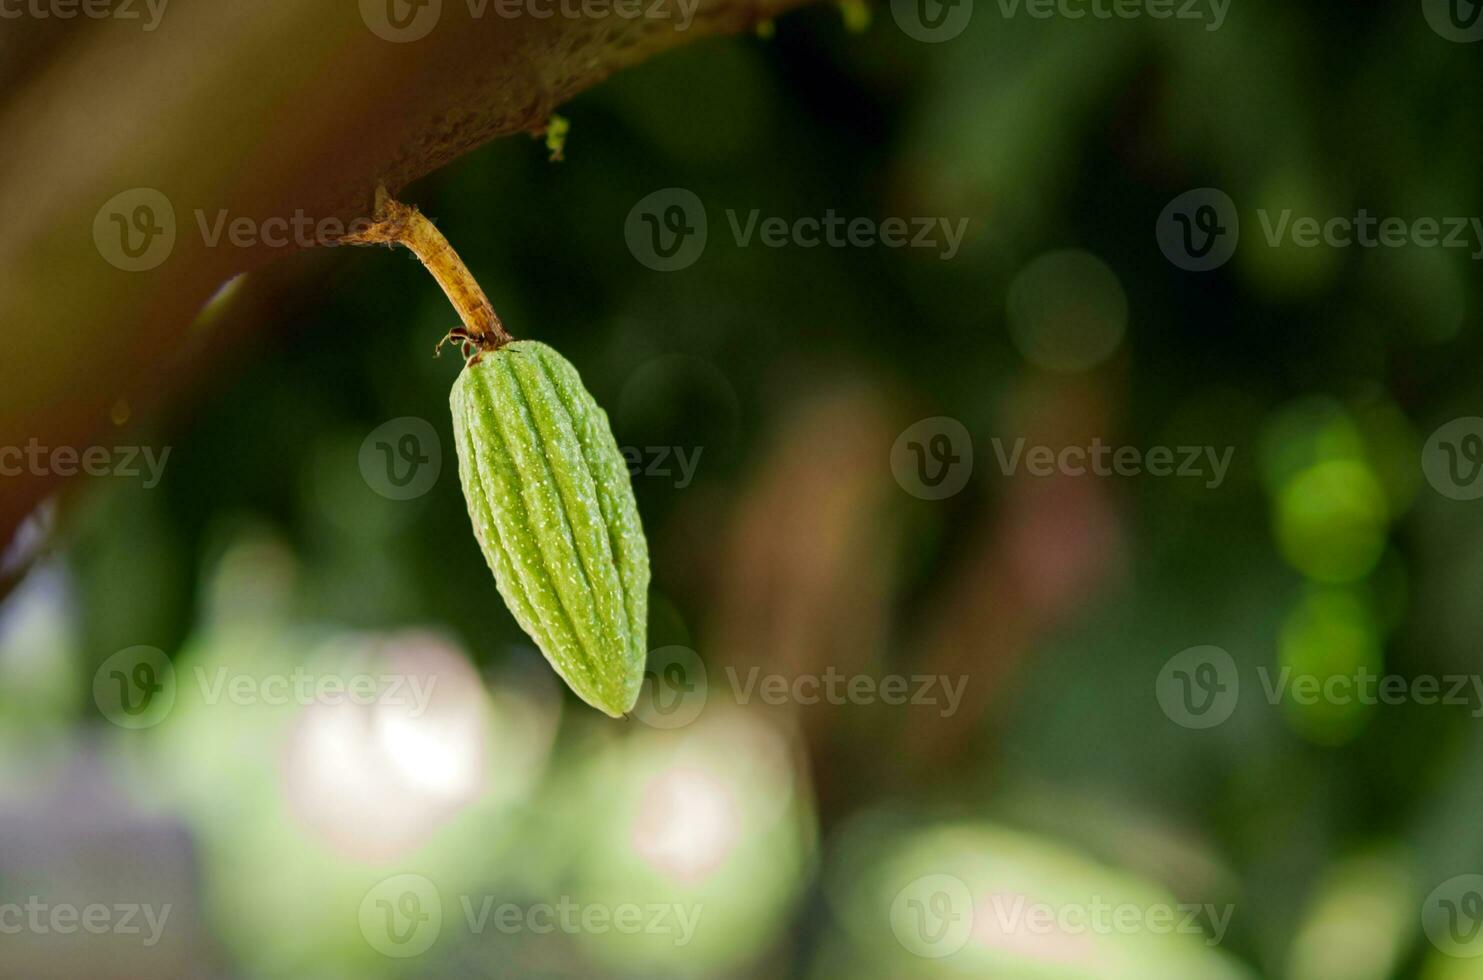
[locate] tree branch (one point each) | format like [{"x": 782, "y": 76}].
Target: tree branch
[{"x": 126, "y": 147}]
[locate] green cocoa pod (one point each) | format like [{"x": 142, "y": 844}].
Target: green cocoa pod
[{"x": 553, "y": 510}]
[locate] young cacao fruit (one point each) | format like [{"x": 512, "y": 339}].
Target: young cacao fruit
[{"x": 553, "y": 510}]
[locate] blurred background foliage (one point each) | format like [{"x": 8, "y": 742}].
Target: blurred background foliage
[{"x": 792, "y": 371}]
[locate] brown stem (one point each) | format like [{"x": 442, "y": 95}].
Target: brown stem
[{"x": 395, "y": 223}]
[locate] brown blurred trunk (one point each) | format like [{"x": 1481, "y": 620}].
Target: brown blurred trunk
[{"x": 270, "y": 109}]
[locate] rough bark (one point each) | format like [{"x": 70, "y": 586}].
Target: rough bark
[{"x": 268, "y": 109}]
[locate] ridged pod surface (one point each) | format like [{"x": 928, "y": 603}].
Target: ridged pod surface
[{"x": 553, "y": 510}]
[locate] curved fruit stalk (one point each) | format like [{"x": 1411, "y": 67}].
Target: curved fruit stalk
[{"x": 546, "y": 485}]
